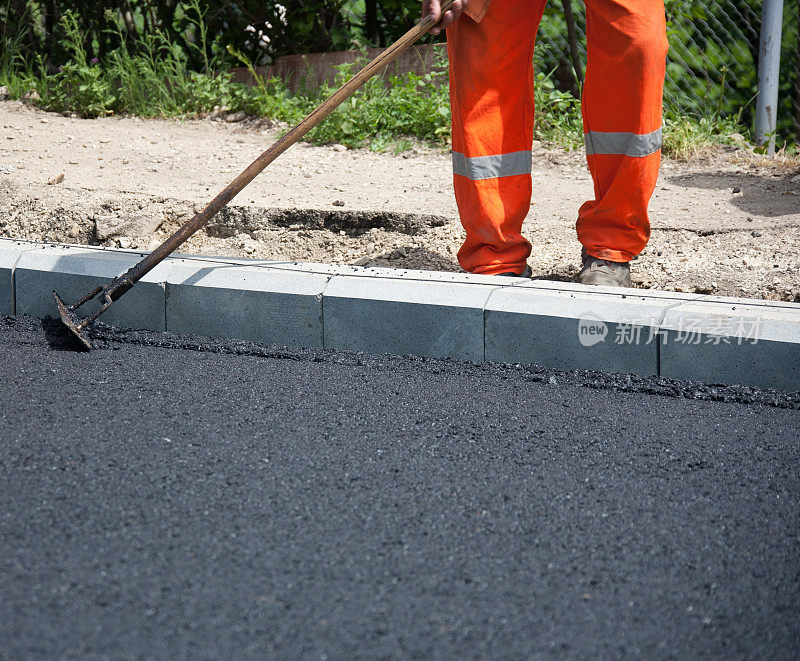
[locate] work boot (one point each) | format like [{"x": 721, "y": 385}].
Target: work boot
[
  {"x": 527, "y": 273},
  {"x": 603, "y": 272}
]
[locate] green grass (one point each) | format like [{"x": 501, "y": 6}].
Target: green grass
[
  {"x": 152, "y": 80},
  {"x": 686, "y": 137}
]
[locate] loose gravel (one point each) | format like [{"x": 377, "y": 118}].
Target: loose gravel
[{"x": 725, "y": 224}]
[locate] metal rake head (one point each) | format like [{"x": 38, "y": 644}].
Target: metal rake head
[{"x": 74, "y": 323}]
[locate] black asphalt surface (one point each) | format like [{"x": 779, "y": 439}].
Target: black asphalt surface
[{"x": 176, "y": 497}]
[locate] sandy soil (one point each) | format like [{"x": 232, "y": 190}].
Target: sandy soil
[{"x": 727, "y": 224}]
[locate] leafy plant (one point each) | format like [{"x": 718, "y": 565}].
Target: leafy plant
[
  {"x": 159, "y": 62},
  {"x": 411, "y": 104},
  {"x": 558, "y": 114},
  {"x": 79, "y": 85}
]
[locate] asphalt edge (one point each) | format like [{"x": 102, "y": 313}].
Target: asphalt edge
[{"x": 423, "y": 313}]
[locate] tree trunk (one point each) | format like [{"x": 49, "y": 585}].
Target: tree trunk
[
  {"x": 130, "y": 26},
  {"x": 371, "y": 22},
  {"x": 797, "y": 81},
  {"x": 572, "y": 36},
  {"x": 50, "y": 18}
]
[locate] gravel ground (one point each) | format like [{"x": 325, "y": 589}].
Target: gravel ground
[
  {"x": 727, "y": 224},
  {"x": 168, "y": 496}
]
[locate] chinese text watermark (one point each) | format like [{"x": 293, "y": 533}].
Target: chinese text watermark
[{"x": 690, "y": 330}]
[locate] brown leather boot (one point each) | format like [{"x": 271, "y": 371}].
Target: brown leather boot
[{"x": 603, "y": 272}]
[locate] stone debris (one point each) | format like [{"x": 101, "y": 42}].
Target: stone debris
[
  {"x": 107, "y": 227},
  {"x": 218, "y": 113},
  {"x": 236, "y": 116},
  {"x": 56, "y": 180}
]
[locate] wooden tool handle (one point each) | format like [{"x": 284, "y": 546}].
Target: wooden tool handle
[{"x": 125, "y": 281}]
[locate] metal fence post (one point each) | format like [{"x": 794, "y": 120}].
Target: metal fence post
[{"x": 769, "y": 64}]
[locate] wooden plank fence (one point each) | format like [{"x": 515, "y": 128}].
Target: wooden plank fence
[{"x": 315, "y": 69}]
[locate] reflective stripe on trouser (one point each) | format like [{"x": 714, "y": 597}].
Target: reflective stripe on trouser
[{"x": 491, "y": 95}]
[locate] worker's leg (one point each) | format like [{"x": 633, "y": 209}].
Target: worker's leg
[
  {"x": 622, "y": 100},
  {"x": 491, "y": 97}
]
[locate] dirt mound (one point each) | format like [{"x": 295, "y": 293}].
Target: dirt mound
[{"x": 384, "y": 238}]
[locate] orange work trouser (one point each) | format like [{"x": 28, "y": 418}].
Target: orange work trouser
[{"x": 491, "y": 96}]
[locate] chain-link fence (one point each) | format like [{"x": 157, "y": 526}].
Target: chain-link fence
[{"x": 712, "y": 66}]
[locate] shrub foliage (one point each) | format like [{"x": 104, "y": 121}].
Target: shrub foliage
[{"x": 168, "y": 57}]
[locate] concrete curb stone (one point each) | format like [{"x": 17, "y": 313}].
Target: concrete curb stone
[
  {"x": 420, "y": 315},
  {"x": 722, "y": 340},
  {"x": 436, "y": 314},
  {"x": 72, "y": 271},
  {"x": 602, "y": 329},
  {"x": 258, "y": 304},
  {"x": 10, "y": 252}
]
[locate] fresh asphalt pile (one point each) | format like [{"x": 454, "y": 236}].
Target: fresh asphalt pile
[{"x": 180, "y": 497}]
